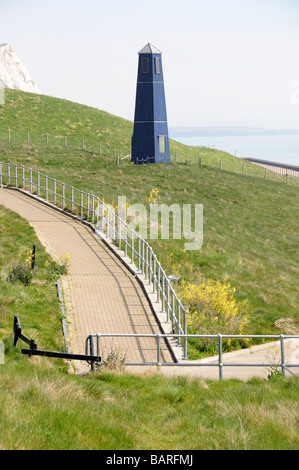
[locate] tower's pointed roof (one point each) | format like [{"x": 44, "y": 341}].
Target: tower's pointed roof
[{"x": 149, "y": 49}]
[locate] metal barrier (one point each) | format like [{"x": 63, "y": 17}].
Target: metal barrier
[
  {"x": 282, "y": 365},
  {"x": 106, "y": 221},
  {"x": 34, "y": 351}
]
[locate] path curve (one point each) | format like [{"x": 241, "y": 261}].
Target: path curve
[{"x": 101, "y": 295}]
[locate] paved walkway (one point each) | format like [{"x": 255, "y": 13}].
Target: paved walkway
[{"x": 100, "y": 293}]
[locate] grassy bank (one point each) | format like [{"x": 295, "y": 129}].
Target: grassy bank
[
  {"x": 44, "y": 407},
  {"x": 250, "y": 224},
  {"x": 41, "y": 408}
]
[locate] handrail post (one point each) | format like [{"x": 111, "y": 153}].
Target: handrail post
[
  {"x": 158, "y": 283},
  {"x": 54, "y": 191},
  {"x": 172, "y": 310},
  {"x": 283, "y": 367},
  {"x": 154, "y": 273},
  {"x": 98, "y": 344},
  {"x": 81, "y": 204},
  {"x": 63, "y": 196},
  {"x": 16, "y": 176},
  {"x": 185, "y": 332},
  {"x": 158, "y": 349},
  {"x": 92, "y": 208},
  {"x": 119, "y": 233},
  {"x": 0, "y": 174},
  {"x": 179, "y": 322},
  {"x": 132, "y": 246},
  {"x": 47, "y": 197},
  {"x": 72, "y": 202},
  {"x": 139, "y": 254},
  {"x": 167, "y": 302},
  {"x": 38, "y": 183},
  {"x": 149, "y": 267},
  {"x": 220, "y": 357},
  {"x": 30, "y": 181},
  {"x": 88, "y": 210}
]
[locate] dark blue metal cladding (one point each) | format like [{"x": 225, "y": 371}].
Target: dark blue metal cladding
[{"x": 150, "y": 140}]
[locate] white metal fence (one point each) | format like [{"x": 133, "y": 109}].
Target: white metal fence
[
  {"x": 89, "y": 207},
  {"x": 283, "y": 365}
]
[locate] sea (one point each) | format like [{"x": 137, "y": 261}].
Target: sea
[{"x": 275, "y": 148}]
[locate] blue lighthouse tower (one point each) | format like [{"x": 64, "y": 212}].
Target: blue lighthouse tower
[{"x": 150, "y": 140}]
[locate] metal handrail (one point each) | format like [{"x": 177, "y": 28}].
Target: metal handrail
[
  {"x": 220, "y": 364},
  {"x": 108, "y": 222}
]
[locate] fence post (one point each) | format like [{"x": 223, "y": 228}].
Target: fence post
[
  {"x": 28, "y": 138},
  {"x": 23, "y": 176},
  {"x": 30, "y": 181},
  {"x": 65, "y": 141},
  {"x": 1, "y": 175},
  {"x": 47, "y": 139},
  {"x": 220, "y": 357},
  {"x": 16, "y": 176}
]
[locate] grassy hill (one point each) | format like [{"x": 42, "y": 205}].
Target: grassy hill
[
  {"x": 250, "y": 224},
  {"x": 42, "y": 407}
]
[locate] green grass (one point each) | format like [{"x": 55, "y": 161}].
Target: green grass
[
  {"x": 41, "y": 318},
  {"x": 250, "y": 224},
  {"x": 43, "y": 407}
]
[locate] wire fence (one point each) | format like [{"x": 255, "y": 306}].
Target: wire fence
[
  {"x": 74, "y": 142},
  {"x": 248, "y": 167}
]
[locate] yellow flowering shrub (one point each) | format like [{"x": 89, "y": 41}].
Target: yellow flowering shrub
[{"x": 213, "y": 309}]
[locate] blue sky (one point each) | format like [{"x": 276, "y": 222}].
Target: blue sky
[{"x": 226, "y": 63}]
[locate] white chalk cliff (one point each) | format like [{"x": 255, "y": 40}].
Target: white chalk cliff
[{"x": 13, "y": 73}]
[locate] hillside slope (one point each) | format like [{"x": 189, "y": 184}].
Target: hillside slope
[{"x": 250, "y": 224}]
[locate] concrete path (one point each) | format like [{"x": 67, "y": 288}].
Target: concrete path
[{"x": 102, "y": 295}]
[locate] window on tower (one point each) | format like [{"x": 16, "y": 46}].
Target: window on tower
[
  {"x": 162, "y": 143},
  {"x": 145, "y": 65},
  {"x": 157, "y": 65}
]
